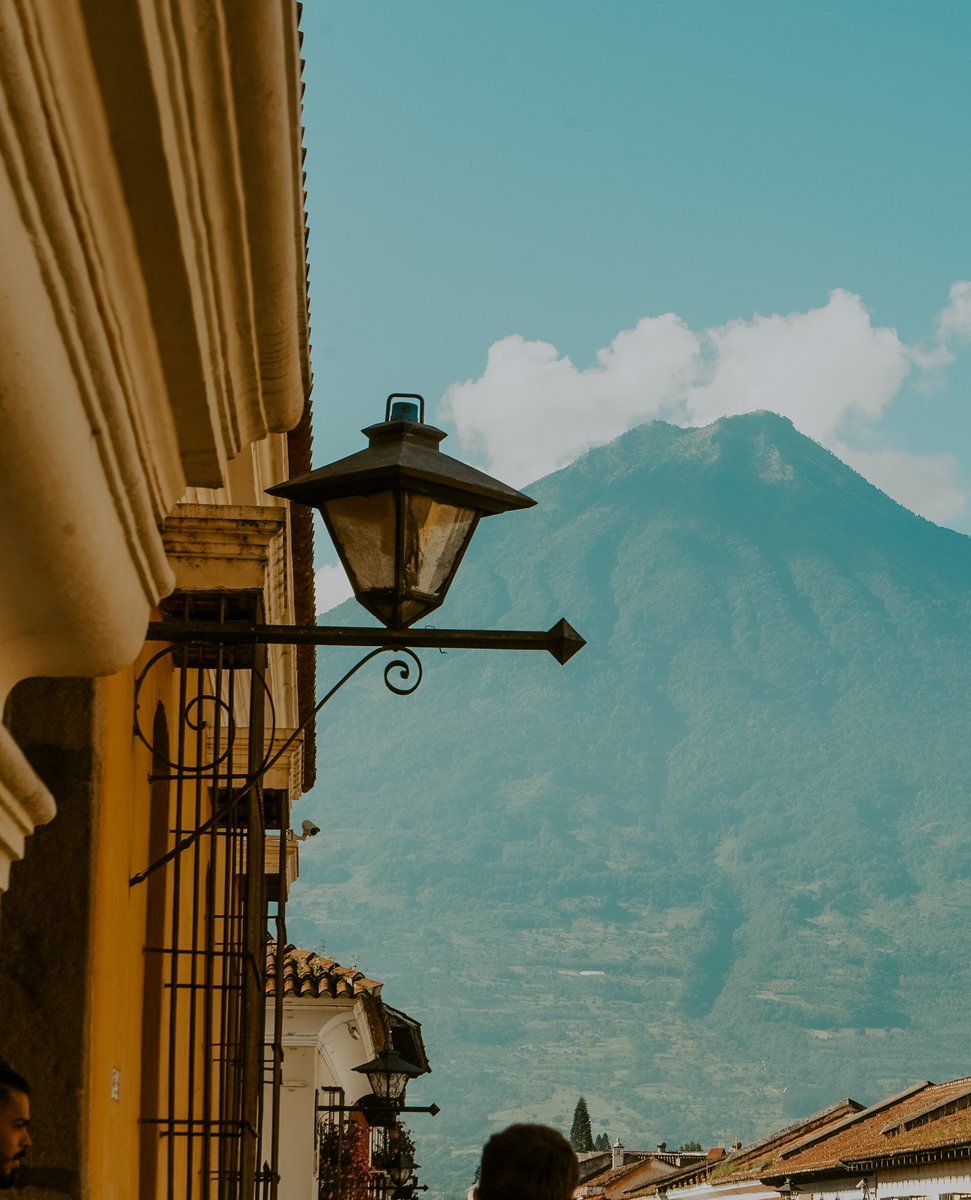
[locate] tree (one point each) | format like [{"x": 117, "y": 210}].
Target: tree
[
  {"x": 343, "y": 1167},
  {"x": 601, "y": 1142},
  {"x": 689, "y": 1146},
  {"x": 581, "y": 1135}
]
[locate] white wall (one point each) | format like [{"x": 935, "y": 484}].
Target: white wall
[{"x": 323, "y": 1040}]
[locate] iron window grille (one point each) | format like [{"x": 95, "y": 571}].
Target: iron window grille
[{"x": 212, "y": 899}]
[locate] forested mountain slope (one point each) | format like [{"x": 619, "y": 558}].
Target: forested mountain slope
[{"x": 713, "y": 872}]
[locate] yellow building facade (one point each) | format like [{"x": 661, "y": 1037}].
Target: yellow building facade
[{"x": 154, "y": 380}]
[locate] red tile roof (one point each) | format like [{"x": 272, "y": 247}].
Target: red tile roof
[
  {"x": 925, "y": 1116},
  {"x": 308, "y": 975},
  {"x": 656, "y": 1167},
  {"x": 612, "y": 1174},
  {"x": 750, "y": 1162}
]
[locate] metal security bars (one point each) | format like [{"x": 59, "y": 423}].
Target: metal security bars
[
  {"x": 210, "y": 1085},
  {"x": 210, "y": 889}
]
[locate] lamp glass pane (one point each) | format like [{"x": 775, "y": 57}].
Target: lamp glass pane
[
  {"x": 399, "y": 1169},
  {"x": 388, "y": 1085},
  {"x": 435, "y": 535},
  {"x": 363, "y": 528}
]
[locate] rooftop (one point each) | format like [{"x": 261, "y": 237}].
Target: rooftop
[
  {"x": 307, "y": 974},
  {"x": 925, "y": 1118}
]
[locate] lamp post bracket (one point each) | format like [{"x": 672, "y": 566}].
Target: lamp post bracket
[{"x": 562, "y": 640}]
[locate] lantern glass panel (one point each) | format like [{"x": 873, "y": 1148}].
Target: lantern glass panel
[
  {"x": 399, "y": 1168},
  {"x": 435, "y": 536},
  {"x": 363, "y": 529},
  {"x": 388, "y": 1085},
  {"x": 399, "y": 582}
]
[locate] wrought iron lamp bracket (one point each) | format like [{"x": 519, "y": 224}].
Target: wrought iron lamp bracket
[
  {"x": 390, "y": 1111},
  {"x": 561, "y": 640},
  {"x": 402, "y": 675}
]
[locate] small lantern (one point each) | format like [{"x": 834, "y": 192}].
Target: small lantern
[
  {"x": 401, "y": 514},
  {"x": 400, "y": 1168},
  {"x": 388, "y": 1075}
]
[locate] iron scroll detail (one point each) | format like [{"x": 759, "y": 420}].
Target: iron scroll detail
[
  {"x": 402, "y": 676},
  {"x": 407, "y": 685}
]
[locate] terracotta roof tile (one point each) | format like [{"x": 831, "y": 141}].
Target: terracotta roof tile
[
  {"x": 852, "y": 1120},
  {"x": 957, "y": 1091},
  {"x": 649, "y": 1187},
  {"x": 750, "y": 1162},
  {"x": 636, "y": 1164},
  {"x": 925, "y": 1116},
  {"x": 612, "y": 1174},
  {"x": 307, "y": 974}
]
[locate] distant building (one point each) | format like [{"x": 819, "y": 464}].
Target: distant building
[
  {"x": 630, "y": 1170},
  {"x": 333, "y": 1020},
  {"x": 914, "y": 1145}
]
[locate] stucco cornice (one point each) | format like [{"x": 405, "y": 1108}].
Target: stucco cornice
[
  {"x": 152, "y": 303},
  {"x": 76, "y": 310},
  {"x": 24, "y": 803},
  {"x": 203, "y": 104},
  {"x": 232, "y": 548}
]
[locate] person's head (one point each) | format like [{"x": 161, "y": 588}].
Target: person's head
[
  {"x": 14, "y": 1121},
  {"x": 527, "y": 1162}
]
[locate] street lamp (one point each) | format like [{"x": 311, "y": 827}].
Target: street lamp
[
  {"x": 400, "y": 1167},
  {"x": 388, "y": 1074},
  {"x": 401, "y": 514},
  {"x": 401, "y": 1171}
]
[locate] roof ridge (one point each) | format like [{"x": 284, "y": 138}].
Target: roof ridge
[
  {"x": 821, "y": 1135},
  {"x": 781, "y": 1134},
  {"x": 941, "y": 1102}
]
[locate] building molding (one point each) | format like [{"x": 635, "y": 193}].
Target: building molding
[
  {"x": 211, "y": 176},
  {"x": 152, "y": 306},
  {"x": 229, "y": 548},
  {"x": 286, "y": 773},
  {"x": 25, "y": 803},
  {"x": 241, "y": 548}
]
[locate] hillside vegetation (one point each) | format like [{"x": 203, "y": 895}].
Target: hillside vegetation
[{"x": 713, "y": 872}]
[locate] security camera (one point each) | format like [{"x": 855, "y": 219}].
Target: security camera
[{"x": 309, "y": 830}]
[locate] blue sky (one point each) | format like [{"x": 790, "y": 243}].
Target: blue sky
[{"x": 558, "y": 219}]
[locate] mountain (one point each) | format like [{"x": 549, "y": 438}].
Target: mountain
[{"x": 711, "y": 874}]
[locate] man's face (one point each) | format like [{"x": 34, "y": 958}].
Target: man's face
[{"x": 14, "y": 1132}]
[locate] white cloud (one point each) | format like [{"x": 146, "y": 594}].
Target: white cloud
[
  {"x": 333, "y": 588},
  {"x": 533, "y": 411},
  {"x": 818, "y": 368},
  {"x": 954, "y": 322},
  {"x": 928, "y": 484},
  {"x": 830, "y": 370}
]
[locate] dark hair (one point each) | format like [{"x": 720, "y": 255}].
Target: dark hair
[
  {"x": 10, "y": 1081},
  {"x": 528, "y": 1162}
]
